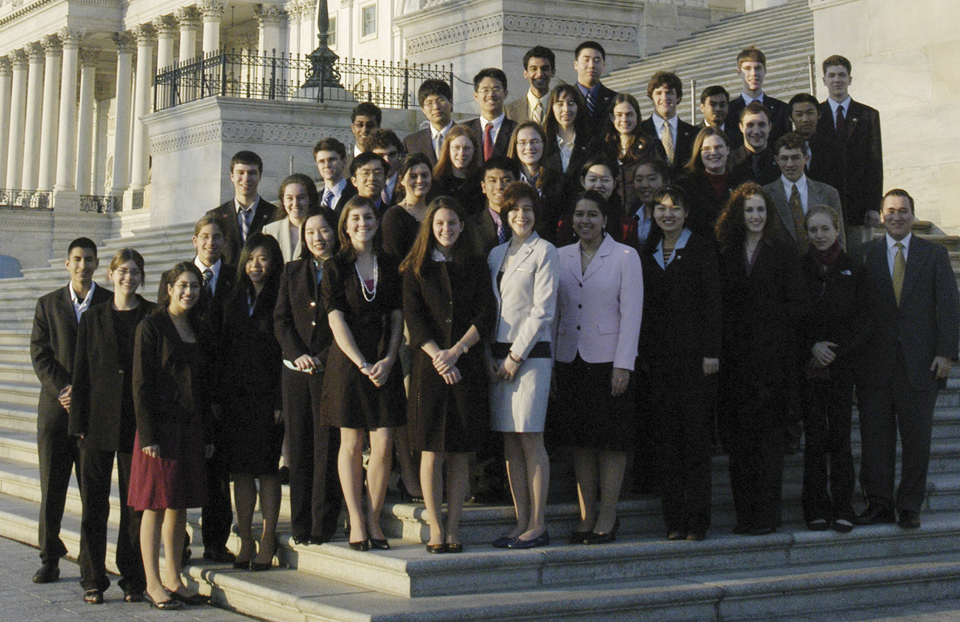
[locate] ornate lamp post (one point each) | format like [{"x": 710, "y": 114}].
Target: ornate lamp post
[{"x": 322, "y": 72}]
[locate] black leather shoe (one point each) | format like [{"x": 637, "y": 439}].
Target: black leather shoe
[
  {"x": 909, "y": 519},
  {"x": 48, "y": 573},
  {"x": 874, "y": 514},
  {"x": 602, "y": 538},
  {"x": 220, "y": 555}
]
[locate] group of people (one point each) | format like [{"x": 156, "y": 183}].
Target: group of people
[{"x": 636, "y": 287}]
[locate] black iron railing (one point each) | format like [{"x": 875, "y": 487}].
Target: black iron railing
[
  {"x": 277, "y": 76},
  {"x": 16, "y": 198}
]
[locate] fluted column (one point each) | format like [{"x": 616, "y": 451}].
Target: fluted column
[
  {"x": 212, "y": 11},
  {"x": 188, "y": 18},
  {"x": 292, "y": 9},
  {"x": 67, "y": 141},
  {"x": 18, "y": 105},
  {"x": 6, "y": 81},
  {"x": 308, "y": 26},
  {"x": 88, "y": 78},
  {"x": 50, "y": 125},
  {"x": 166, "y": 28},
  {"x": 140, "y": 161},
  {"x": 31, "y": 123},
  {"x": 270, "y": 17},
  {"x": 121, "y": 137}
]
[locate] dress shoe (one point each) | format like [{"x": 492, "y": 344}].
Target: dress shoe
[
  {"x": 93, "y": 597},
  {"x": 909, "y": 519},
  {"x": 841, "y": 525},
  {"x": 541, "y": 540},
  {"x": 576, "y": 537},
  {"x": 696, "y": 536},
  {"x": 379, "y": 544},
  {"x": 502, "y": 542},
  {"x": 676, "y": 535},
  {"x": 220, "y": 555},
  {"x": 362, "y": 545},
  {"x": 454, "y": 547},
  {"x": 301, "y": 540},
  {"x": 875, "y": 514},
  {"x": 48, "y": 573},
  {"x": 166, "y": 605},
  {"x": 192, "y": 600},
  {"x": 134, "y": 595},
  {"x": 260, "y": 566},
  {"x": 602, "y": 538},
  {"x": 437, "y": 549},
  {"x": 242, "y": 565},
  {"x": 818, "y": 524}
]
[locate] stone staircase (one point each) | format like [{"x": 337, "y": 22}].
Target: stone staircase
[{"x": 709, "y": 56}]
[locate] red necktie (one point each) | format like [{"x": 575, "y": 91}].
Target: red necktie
[{"x": 488, "y": 141}]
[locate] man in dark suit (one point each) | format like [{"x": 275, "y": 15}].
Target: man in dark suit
[
  {"x": 665, "y": 90},
  {"x": 752, "y": 69},
  {"x": 330, "y": 155},
  {"x": 247, "y": 212},
  {"x": 539, "y": 66},
  {"x": 387, "y": 145},
  {"x": 589, "y": 60},
  {"x": 218, "y": 279},
  {"x": 436, "y": 102},
  {"x": 715, "y": 107},
  {"x": 912, "y": 293},
  {"x": 755, "y": 159},
  {"x": 368, "y": 173},
  {"x": 856, "y": 128},
  {"x": 486, "y": 228},
  {"x": 52, "y": 346},
  {"x": 492, "y": 128},
  {"x": 824, "y": 150}
]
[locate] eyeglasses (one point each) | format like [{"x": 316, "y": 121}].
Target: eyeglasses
[
  {"x": 125, "y": 272},
  {"x": 536, "y": 142},
  {"x": 490, "y": 90}
]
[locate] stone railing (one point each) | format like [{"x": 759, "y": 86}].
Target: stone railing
[{"x": 16, "y": 198}]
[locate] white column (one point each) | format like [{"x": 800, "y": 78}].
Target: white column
[
  {"x": 293, "y": 27},
  {"x": 67, "y": 141},
  {"x": 166, "y": 28},
  {"x": 88, "y": 78},
  {"x": 188, "y": 18},
  {"x": 18, "y": 105},
  {"x": 121, "y": 137},
  {"x": 31, "y": 123},
  {"x": 212, "y": 11},
  {"x": 308, "y": 27},
  {"x": 146, "y": 39},
  {"x": 270, "y": 16},
  {"x": 6, "y": 82},
  {"x": 50, "y": 126}
]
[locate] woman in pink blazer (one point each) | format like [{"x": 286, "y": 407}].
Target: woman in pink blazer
[{"x": 599, "y": 305}]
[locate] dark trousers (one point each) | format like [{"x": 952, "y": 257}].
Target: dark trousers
[
  {"x": 217, "y": 512},
  {"x": 58, "y": 453},
  {"x": 315, "y": 497},
  {"x": 883, "y": 412},
  {"x": 828, "y": 477},
  {"x": 756, "y": 475},
  {"x": 96, "y": 474},
  {"x": 684, "y": 436}
]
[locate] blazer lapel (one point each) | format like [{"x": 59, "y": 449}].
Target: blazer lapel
[
  {"x": 521, "y": 257},
  {"x": 779, "y": 197},
  {"x": 67, "y": 310},
  {"x": 917, "y": 258},
  {"x": 594, "y": 266}
]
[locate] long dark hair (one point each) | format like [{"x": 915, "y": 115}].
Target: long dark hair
[
  {"x": 423, "y": 246},
  {"x": 640, "y": 142},
  {"x": 731, "y": 227},
  {"x": 444, "y": 167},
  {"x": 272, "y": 283},
  {"x": 408, "y": 163},
  {"x": 328, "y": 215},
  {"x": 299, "y": 178},
  {"x": 695, "y": 163},
  {"x": 347, "y": 251},
  {"x": 678, "y": 197},
  {"x": 513, "y": 155},
  {"x": 551, "y": 126},
  {"x": 167, "y": 279}
]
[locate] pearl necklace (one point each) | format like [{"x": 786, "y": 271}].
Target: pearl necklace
[{"x": 369, "y": 294}]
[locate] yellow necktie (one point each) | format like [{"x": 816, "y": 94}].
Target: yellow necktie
[
  {"x": 667, "y": 139},
  {"x": 796, "y": 210},
  {"x": 899, "y": 267},
  {"x": 538, "y": 112}
]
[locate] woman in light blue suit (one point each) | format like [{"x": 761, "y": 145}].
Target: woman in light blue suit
[{"x": 525, "y": 272}]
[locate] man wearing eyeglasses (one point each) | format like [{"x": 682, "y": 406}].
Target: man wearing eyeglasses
[{"x": 493, "y": 128}]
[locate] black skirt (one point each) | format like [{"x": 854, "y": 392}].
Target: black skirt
[{"x": 589, "y": 417}]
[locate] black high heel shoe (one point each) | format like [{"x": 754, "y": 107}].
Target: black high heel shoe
[{"x": 602, "y": 538}]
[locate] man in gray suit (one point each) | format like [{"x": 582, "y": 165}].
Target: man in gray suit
[
  {"x": 912, "y": 293},
  {"x": 539, "y": 65},
  {"x": 436, "y": 102},
  {"x": 795, "y": 193}
]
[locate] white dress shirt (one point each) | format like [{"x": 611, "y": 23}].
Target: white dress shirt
[
  {"x": 215, "y": 268},
  {"x": 79, "y": 306},
  {"x": 801, "y": 188},
  {"x": 892, "y": 250}
]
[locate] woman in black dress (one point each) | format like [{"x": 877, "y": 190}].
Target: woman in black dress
[
  {"x": 680, "y": 348},
  {"x": 401, "y": 223},
  {"x": 446, "y": 310},
  {"x": 708, "y": 180},
  {"x": 102, "y": 415},
  {"x": 457, "y": 173},
  {"x": 362, "y": 297},
  {"x": 251, "y": 397},
  {"x": 763, "y": 299},
  {"x": 832, "y": 334},
  {"x": 301, "y": 328},
  {"x": 171, "y": 393}
]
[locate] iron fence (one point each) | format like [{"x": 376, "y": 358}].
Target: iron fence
[
  {"x": 249, "y": 74},
  {"x": 24, "y": 199},
  {"x": 100, "y": 204}
]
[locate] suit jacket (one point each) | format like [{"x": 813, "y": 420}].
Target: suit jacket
[
  {"x": 211, "y": 307},
  {"x": 583, "y": 147},
  {"x": 527, "y": 294},
  {"x": 96, "y": 404},
  {"x": 817, "y": 194},
  {"x": 503, "y": 137},
  {"x": 232, "y": 241},
  {"x": 349, "y": 191},
  {"x": 925, "y": 325},
  {"x": 482, "y": 233},
  {"x": 599, "y": 122},
  {"x": 300, "y": 323},
  {"x": 861, "y": 154},
  {"x": 683, "y": 149},
  {"x": 599, "y": 311},
  {"x": 826, "y": 165},
  {"x": 250, "y": 360},
  {"x": 740, "y": 162},
  {"x": 280, "y": 231},
  {"x": 519, "y": 110},
  {"x": 422, "y": 142},
  {"x": 779, "y": 125},
  {"x": 53, "y": 344},
  {"x": 704, "y": 205}
]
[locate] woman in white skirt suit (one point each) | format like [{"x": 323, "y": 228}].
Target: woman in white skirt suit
[{"x": 525, "y": 272}]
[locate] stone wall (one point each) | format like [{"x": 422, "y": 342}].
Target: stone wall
[
  {"x": 904, "y": 58},
  {"x": 34, "y": 236}
]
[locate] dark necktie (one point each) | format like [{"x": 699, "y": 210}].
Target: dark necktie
[
  {"x": 501, "y": 232},
  {"x": 591, "y": 101},
  {"x": 488, "y": 141},
  {"x": 208, "y": 281},
  {"x": 796, "y": 210},
  {"x": 328, "y": 198},
  {"x": 841, "y": 123},
  {"x": 755, "y": 166}
]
